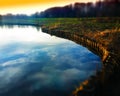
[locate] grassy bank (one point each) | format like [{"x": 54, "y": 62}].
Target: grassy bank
[{"x": 103, "y": 30}]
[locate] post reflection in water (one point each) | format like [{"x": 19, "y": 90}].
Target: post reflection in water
[{"x": 33, "y": 63}]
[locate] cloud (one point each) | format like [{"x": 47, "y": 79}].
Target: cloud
[
  {"x": 57, "y": 66},
  {"x": 14, "y": 62},
  {"x": 48, "y": 67},
  {"x": 7, "y": 75}
]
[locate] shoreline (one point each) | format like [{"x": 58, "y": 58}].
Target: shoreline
[{"x": 95, "y": 84}]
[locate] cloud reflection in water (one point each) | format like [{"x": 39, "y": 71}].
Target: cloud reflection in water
[{"x": 43, "y": 65}]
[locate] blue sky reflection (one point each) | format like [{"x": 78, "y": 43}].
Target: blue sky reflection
[{"x": 42, "y": 65}]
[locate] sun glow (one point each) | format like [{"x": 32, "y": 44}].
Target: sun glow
[{"x": 23, "y": 9}]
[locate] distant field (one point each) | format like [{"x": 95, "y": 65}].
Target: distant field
[
  {"x": 69, "y": 24},
  {"x": 81, "y": 24}
]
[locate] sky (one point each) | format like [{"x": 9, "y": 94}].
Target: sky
[{"x": 32, "y": 6}]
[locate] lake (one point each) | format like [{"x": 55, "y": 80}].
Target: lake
[{"x": 33, "y": 63}]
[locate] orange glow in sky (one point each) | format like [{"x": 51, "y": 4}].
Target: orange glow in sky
[{"x": 32, "y": 6}]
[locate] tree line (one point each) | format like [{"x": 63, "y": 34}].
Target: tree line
[{"x": 105, "y": 8}]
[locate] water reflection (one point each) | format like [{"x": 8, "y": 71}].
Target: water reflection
[{"x": 33, "y": 63}]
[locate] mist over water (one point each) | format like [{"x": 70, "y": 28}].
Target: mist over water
[{"x": 33, "y": 63}]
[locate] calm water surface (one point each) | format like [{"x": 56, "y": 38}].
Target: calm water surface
[{"x": 33, "y": 63}]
